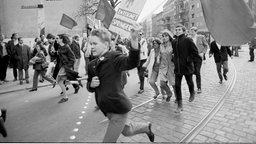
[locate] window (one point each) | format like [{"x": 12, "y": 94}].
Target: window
[
  {"x": 193, "y": 15},
  {"x": 198, "y": 5},
  {"x": 192, "y": 7}
]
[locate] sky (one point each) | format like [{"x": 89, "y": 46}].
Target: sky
[{"x": 150, "y": 7}]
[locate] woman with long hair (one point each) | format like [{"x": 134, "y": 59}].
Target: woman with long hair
[
  {"x": 152, "y": 64},
  {"x": 66, "y": 66},
  {"x": 166, "y": 70}
]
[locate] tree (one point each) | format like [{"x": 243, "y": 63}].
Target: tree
[{"x": 89, "y": 7}]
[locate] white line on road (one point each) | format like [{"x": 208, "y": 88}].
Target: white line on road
[
  {"x": 78, "y": 123},
  {"x": 76, "y": 130},
  {"x": 72, "y": 137},
  {"x": 83, "y": 112},
  {"x": 81, "y": 117}
]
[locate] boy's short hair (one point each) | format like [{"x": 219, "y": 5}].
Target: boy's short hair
[
  {"x": 103, "y": 34},
  {"x": 182, "y": 26}
]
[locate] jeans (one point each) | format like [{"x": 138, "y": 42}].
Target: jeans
[
  {"x": 251, "y": 54},
  {"x": 141, "y": 71},
  {"x": 225, "y": 68},
  {"x": 190, "y": 83},
  {"x": 21, "y": 74},
  {"x": 42, "y": 72},
  {"x": 197, "y": 72}
]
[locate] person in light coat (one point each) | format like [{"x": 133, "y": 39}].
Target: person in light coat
[
  {"x": 152, "y": 65},
  {"x": 143, "y": 59}
]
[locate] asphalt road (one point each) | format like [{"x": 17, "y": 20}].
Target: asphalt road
[{"x": 37, "y": 116}]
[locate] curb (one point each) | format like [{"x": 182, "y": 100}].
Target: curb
[{"x": 28, "y": 88}]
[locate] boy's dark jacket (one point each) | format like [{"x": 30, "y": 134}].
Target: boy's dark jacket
[{"x": 109, "y": 95}]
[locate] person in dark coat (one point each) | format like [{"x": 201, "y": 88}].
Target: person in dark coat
[
  {"x": 22, "y": 55},
  {"x": 66, "y": 65},
  {"x": 4, "y": 59},
  {"x": 104, "y": 79},
  {"x": 220, "y": 54},
  {"x": 10, "y": 50},
  {"x": 75, "y": 47},
  {"x": 185, "y": 51},
  {"x": 252, "y": 46},
  {"x": 202, "y": 47}
]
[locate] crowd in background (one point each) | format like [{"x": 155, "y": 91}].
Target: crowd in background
[{"x": 163, "y": 62}]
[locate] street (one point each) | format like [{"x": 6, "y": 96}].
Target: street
[{"x": 222, "y": 113}]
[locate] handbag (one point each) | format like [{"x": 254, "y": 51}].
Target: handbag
[{"x": 45, "y": 65}]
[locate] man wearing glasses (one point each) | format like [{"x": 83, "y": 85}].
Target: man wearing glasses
[{"x": 185, "y": 51}]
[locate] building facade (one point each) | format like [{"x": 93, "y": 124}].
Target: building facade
[
  {"x": 157, "y": 24},
  {"x": 169, "y": 12},
  {"x": 21, "y": 16},
  {"x": 196, "y": 17}
]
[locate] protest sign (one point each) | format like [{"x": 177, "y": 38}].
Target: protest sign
[{"x": 126, "y": 16}]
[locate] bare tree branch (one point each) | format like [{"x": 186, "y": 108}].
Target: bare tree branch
[{"x": 89, "y": 7}]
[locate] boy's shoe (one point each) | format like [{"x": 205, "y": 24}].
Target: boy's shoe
[
  {"x": 150, "y": 134},
  {"x": 63, "y": 100}
]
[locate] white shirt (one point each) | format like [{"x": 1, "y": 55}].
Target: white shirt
[
  {"x": 194, "y": 38},
  {"x": 143, "y": 49},
  {"x": 4, "y": 49},
  {"x": 218, "y": 45}
]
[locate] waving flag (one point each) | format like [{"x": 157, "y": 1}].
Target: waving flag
[
  {"x": 105, "y": 13},
  {"x": 67, "y": 22},
  {"x": 230, "y": 22}
]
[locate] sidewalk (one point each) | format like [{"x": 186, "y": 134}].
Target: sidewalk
[{"x": 11, "y": 86}]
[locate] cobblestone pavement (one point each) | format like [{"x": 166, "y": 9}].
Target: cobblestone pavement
[
  {"x": 169, "y": 126},
  {"x": 236, "y": 120}
]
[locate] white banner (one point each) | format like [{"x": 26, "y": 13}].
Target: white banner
[{"x": 126, "y": 15}]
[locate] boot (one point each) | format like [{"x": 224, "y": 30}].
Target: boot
[
  {"x": 192, "y": 97},
  {"x": 180, "y": 107}
]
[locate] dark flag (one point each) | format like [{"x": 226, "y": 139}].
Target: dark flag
[
  {"x": 230, "y": 22},
  {"x": 67, "y": 22},
  {"x": 105, "y": 13}
]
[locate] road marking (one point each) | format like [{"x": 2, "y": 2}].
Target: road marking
[
  {"x": 72, "y": 137},
  {"x": 85, "y": 107},
  {"x": 76, "y": 130},
  {"x": 83, "y": 112},
  {"x": 81, "y": 117},
  {"x": 86, "y": 103},
  {"x": 88, "y": 100},
  {"x": 209, "y": 116},
  {"x": 78, "y": 123}
]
